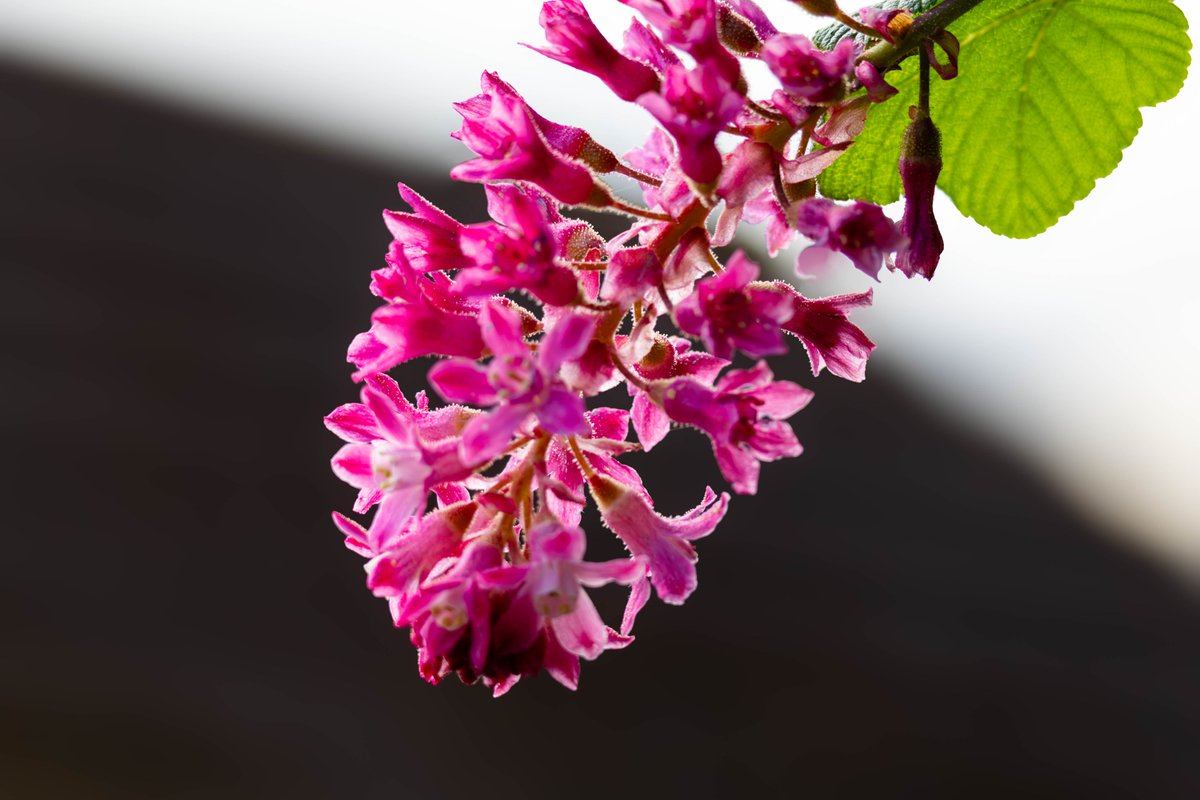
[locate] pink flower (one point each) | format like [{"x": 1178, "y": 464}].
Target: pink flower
[
  {"x": 452, "y": 616},
  {"x": 657, "y": 158},
  {"x": 741, "y": 415},
  {"x": 566, "y": 139},
  {"x": 807, "y": 72},
  {"x": 516, "y": 254},
  {"x": 689, "y": 24},
  {"x": 422, "y": 319},
  {"x": 642, "y": 44},
  {"x": 632, "y": 274},
  {"x": 860, "y": 231},
  {"x": 694, "y": 106},
  {"x": 510, "y": 146},
  {"x": 552, "y": 590},
  {"x": 727, "y": 313},
  {"x": 516, "y": 381},
  {"x": 475, "y": 541},
  {"x": 575, "y": 41},
  {"x": 396, "y": 453},
  {"x": 665, "y": 542},
  {"x": 824, "y": 327},
  {"x": 749, "y": 171},
  {"x": 668, "y": 358},
  {"x": 428, "y": 237},
  {"x": 410, "y": 552}
]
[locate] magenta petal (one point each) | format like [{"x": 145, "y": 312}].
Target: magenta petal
[
  {"x": 356, "y": 535},
  {"x": 562, "y": 665},
  {"x": 878, "y": 89},
  {"x": 562, "y": 412},
  {"x": 663, "y": 541},
  {"x": 582, "y": 632},
  {"x": 566, "y": 341},
  {"x": 517, "y": 628},
  {"x": 549, "y": 540},
  {"x": 631, "y": 273},
  {"x": 816, "y": 261},
  {"x": 409, "y": 558},
  {"x": 488, "y": 434},
  {"x": 639, "y": 595},
  {"x": 459, "y": 380},
  {"x": 502, "y": 330},
  {"x": 609, "y": 423},
  {"x": 395, "y": 515},
  {"x": 479, "y": 610},
  {"x": 781, "y": 399},
  {"x": 830, "y": 338},
  {"x": 650, "y": 422},
  {"x": 810, "y": 165},
  {"x": 352, "y": 463},
  {"x": 397, "y": 425},
  {"x": 353, "y": 422},
  {"x": 739, "y": 467},
  {"x": 624, "y": 571}
]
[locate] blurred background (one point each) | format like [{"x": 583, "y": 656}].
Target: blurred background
[{"x": 980, "y": 579}]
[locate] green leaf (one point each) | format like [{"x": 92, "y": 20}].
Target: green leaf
[{"x": 1046, "y": 99}]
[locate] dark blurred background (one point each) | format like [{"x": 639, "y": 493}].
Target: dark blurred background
[{"x": 902, "y": 612}]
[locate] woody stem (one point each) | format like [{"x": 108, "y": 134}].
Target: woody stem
[{"x": 886, "y": 54}]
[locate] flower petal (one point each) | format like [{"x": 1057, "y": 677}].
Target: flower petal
[
  {"x": 353, "y": 422},
  {"x": 487, "y": 435},
  {"x": 459, "y": 380},
  {"x": 582, "y": 632},
  {"x": 562, "y": 412},
  {"x": 566, "y": 341}
]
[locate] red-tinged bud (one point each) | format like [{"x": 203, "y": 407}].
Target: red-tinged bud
[
  {"x": 920, "y": 164},
  {"x": 736, "y": 33}
]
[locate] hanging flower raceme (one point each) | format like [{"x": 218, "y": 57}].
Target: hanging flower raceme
[{"x": 539, "y": 327}]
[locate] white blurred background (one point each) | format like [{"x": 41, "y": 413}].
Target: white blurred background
[{"x": 1079, "y": 351}]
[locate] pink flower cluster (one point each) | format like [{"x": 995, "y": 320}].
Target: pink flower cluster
[{"x": 540, "y": 326}]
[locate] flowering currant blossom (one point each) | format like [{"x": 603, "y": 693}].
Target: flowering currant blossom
[
  {"x": 727, "y": 313},
  {"x": 693, "y": 107},
  {"x": 807, "y": 73},
  {"x": 575, "y": 41},
  {"x": 538, "y": 326},
  {"x": 742, "y": 416},
  {"x": 510, "y": 145}
]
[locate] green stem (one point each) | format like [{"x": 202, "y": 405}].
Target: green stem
[
  {"x": 923, "y": 96},
  {"x": 885, "y": 54}
]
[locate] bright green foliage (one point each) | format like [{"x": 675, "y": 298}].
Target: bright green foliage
[{"x": 1046, "y": 99}]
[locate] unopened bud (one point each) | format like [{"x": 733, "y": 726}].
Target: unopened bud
[
  {"x": 736, "y": 32},
  {"x": 597, "y": 156},
  {"x": 920, "y": 165}
]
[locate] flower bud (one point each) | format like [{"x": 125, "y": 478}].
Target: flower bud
[
  {"x": 920, "y": 164},
  {"x": 736, "y": 33}
]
